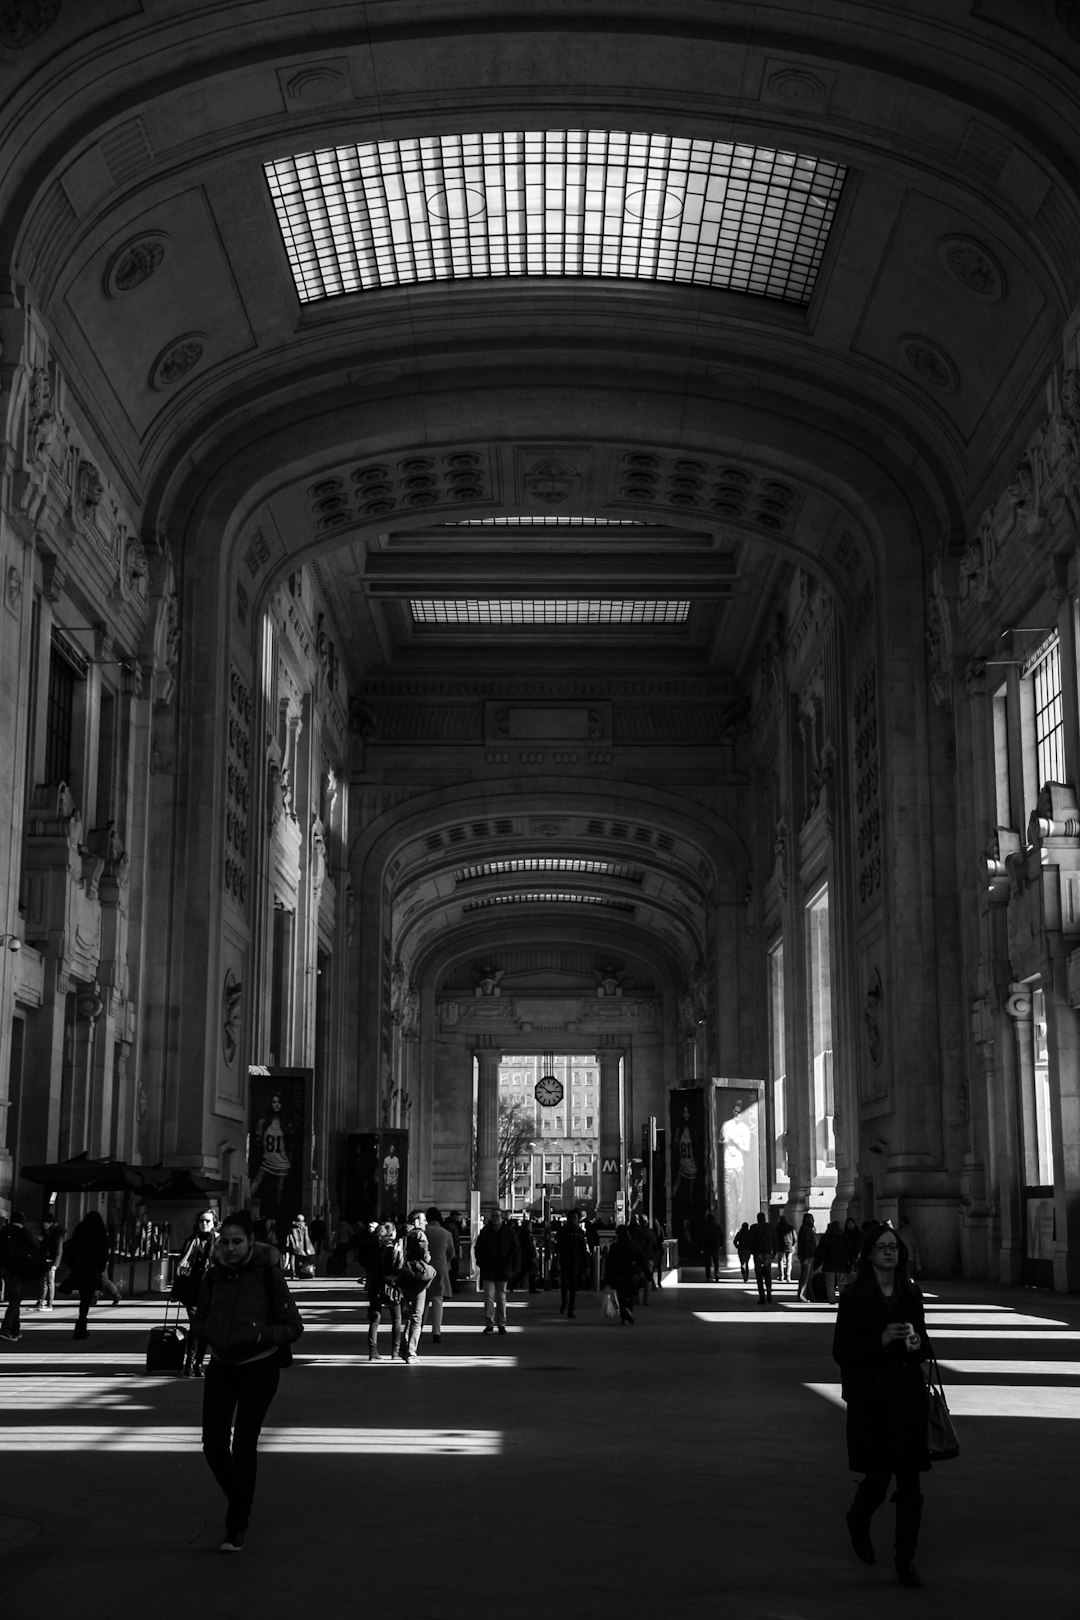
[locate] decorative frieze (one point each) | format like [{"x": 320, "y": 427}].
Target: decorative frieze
[
  {"x": 867, "y": 789},
  {"x": 237, "y": 789}
]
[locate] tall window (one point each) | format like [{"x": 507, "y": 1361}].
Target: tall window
[
  {"x": 819, "y": 978},
  {"x": 777, "y": 1062},
  {"x": 1040, "y": 1150},
  {"x": 59, "y": 719},
  {"x": 1045, "y": 675}
]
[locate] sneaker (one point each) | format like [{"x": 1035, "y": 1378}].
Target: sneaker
[
  {"x": 488, "y": 1328},
  {"x": 502, "y": 1330},
  {"x": 234, "y": 1541},
  {"x": 6, "y": 1333}
]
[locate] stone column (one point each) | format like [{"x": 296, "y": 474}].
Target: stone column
[
  {"x": 611, "y": 1141},
  {"x": 487, "y": 1130}
]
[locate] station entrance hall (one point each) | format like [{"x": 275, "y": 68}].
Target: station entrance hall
[{"x": 539, "y": 613}]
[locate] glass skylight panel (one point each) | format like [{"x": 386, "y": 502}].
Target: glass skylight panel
[
  {"x": 550, "y": 863},
  {"x": 555, "y": 203},
  {"x": 543, "y": 897},
  {"x": 549, "y": 612}
]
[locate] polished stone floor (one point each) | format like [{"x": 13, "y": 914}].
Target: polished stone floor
[{"x": 690, "y": 1465}]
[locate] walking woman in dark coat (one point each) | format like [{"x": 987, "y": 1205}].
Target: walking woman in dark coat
[
  {"x": 247, "y": 1317},
  {"x": 880, "y": 1344}
]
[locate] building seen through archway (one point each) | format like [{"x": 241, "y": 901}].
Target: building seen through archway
[{"x": 529, "y": 534}]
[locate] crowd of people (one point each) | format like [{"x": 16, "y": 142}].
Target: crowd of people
[{"x": 242, "y": 1319}]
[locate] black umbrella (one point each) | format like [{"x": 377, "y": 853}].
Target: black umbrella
[{"x": 83, "y": 1174}]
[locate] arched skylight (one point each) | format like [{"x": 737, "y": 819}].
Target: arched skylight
[{"x": 555, "y": 203}]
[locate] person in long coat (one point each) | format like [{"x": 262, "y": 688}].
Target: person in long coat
[
  {"x": 442, "y": 1247},
  {"x": 880, "y": 1343}
]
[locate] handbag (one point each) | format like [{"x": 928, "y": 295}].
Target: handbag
[
  {"x": 941, "y": 1438},
  {"x": 609, "y": 1306},
  {"x": 415, "y": 1276}
]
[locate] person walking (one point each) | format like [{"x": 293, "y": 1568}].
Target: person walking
[
  {"x": 497, "y": 1258},
  {"x": 712, "y": 1243},
  {"x": 337, "y": 1262},
  {"x": 52, "y": 1241},
  {"x": 853, "y": 1243},
  {"x": 624, "y": 1272},
  {"x": 763, "y": 1247},
  {"x": 832, "y": 1258},
  {"x": 382, "y": 1257},
  {"x": 417, "y": 1266},
  {"x": 573, "y": 1262},
  {"x": 443, "y": 1250},
  {"x": 806, "y": 1248},
  {"x": 22, "y": 1265},
  {"x": 190, "y": 1271},
  {"x": 785, "y": 1247},
  {"x": 299, "y": 1249},
  {"x": 249, "y": 1320},
  {"x": 880, "y": 1343},
  {"x": 744, "y": 1248},
  {"x": 86, "y": 1254},
  {"x": 527, "y": 1246}
]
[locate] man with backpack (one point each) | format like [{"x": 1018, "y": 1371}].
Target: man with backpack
[{"x": 22, "y": 1264}]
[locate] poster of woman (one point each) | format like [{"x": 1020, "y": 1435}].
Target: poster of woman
[
  {"x": 279, "y": 1143},
  {"x": 688, "y": 1181}
]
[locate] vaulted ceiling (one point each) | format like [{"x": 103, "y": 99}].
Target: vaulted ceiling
[{"x": 749, "y": 283}]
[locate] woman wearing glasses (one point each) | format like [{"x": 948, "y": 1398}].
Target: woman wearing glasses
[{"x": 880, "y": 1344}]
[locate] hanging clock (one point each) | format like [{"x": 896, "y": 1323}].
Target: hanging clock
[{"x": 549, "y": 1091}]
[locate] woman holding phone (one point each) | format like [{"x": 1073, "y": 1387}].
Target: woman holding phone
[{"x": 880, "y": 1344}]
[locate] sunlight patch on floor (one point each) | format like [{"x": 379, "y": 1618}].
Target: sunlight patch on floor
[{"x": 324, "y": 1442}]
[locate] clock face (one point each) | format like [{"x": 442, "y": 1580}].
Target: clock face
[{"x": 548, "y": 1091}]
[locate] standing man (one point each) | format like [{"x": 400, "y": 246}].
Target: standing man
[
  {"x": 763, "y": 1247},
  {"x": 713, "y": 1242},
  {"x": 785, "y": 1247},
  {"x": 497, "y": 1257}
]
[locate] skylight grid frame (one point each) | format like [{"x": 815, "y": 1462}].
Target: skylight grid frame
[
  {"x": 596, "y": 203},
  {"x": 578, "y": 865},
  {"x": 544, "y": 613},
  {"x": 543, "y": 897}
]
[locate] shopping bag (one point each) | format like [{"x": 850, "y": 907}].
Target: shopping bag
[
  {"x": 941, "y": 1438},
  {"x": 609, "y": 1306}
]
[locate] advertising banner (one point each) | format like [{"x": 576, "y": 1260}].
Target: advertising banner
[
  {"x": 736, "y": 1121},
  {"x": 279, "y": 1145},
  {"x": 377, "y": 1176},
  {"x": 689, "y": 1192}
]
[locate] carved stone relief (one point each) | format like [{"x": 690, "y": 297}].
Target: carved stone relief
[
  {"x": 238, "y": 790},
  {"x": 973, "y": 265},
  {"x": 177, "y": 359},
  {"x": 867, "y": 790},
  {"x": 930, "y": 363},
  {"x": 135, "y": 262},
  {"x": 24, "y": 21}
]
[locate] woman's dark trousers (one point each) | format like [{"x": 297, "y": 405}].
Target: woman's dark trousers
[
  {"x": 869, "y": 1496},
  {"x": 235, "y": 1402}
]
